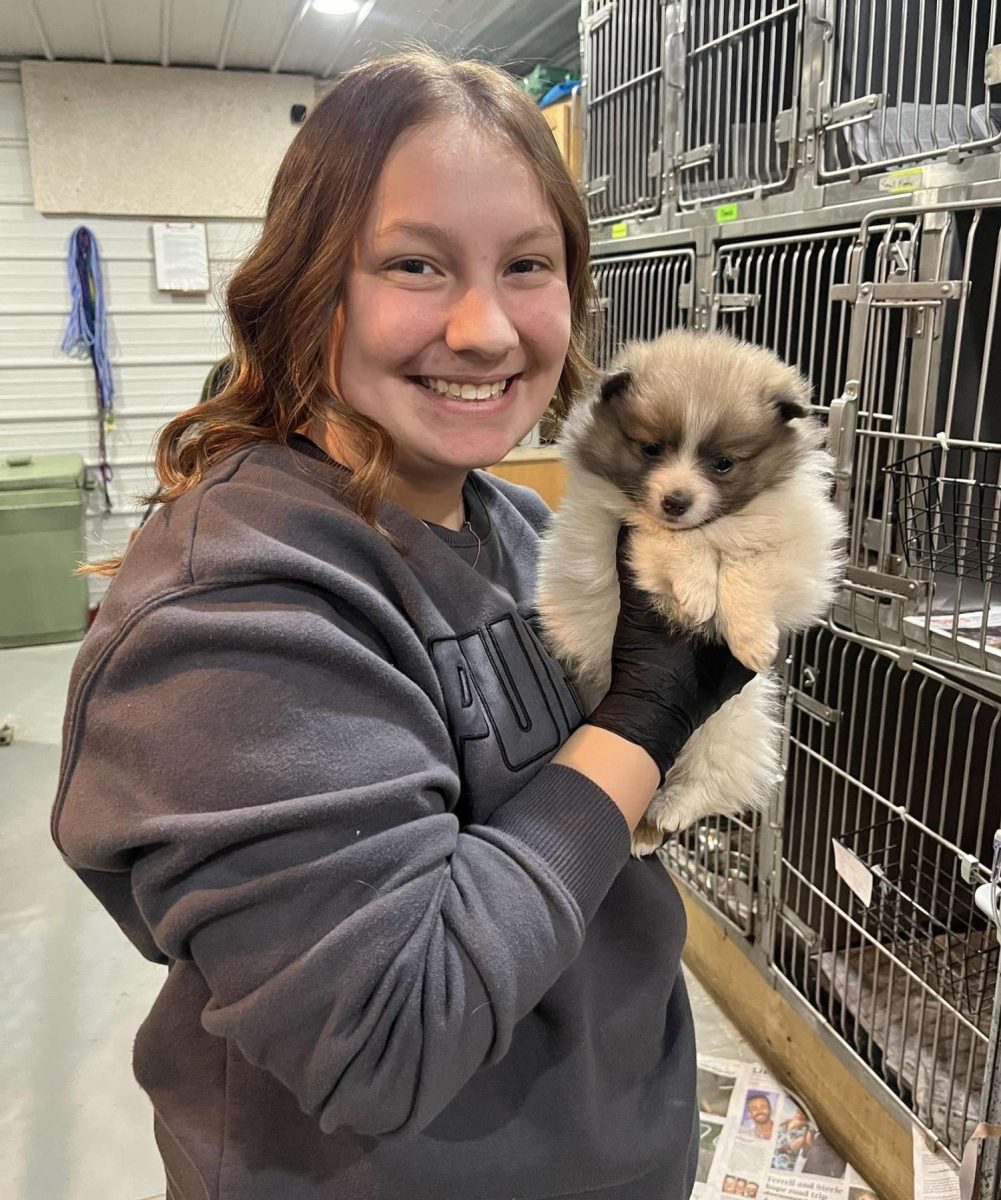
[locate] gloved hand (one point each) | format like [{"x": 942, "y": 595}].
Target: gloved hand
[{"x": 664, "y": 684}]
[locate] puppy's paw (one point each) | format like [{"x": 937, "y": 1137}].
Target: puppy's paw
[
  {"x": 696, "y": 602},
  {"x": 756, "y": 648},
  {"x": 647, "y": 839}
]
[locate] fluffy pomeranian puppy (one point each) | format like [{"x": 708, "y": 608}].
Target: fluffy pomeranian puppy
[{"x": 704, "y": 447}]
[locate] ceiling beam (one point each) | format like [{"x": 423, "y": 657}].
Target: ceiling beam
[
  {"x": 166, "y": 20},
  {"x": 293, "y": 25},
  {"x": 102, "y": 29},
  {"x": 471, "y": 34},
  {"x": 227, "y": 33},
  {"x": 43, "y": 37},
  {"x": 558, "y": 15},
  {"x": 360, "y": 18}
]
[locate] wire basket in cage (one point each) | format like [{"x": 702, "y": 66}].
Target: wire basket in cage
[
  {"x": 947, "y": 509},
  {"x": 922, "y": 911}
]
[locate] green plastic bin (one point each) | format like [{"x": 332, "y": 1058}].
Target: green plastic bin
[{"x": 42, "y": 513}]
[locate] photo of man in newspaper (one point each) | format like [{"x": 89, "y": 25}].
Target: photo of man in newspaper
[{"x": 758, "y": 1120}]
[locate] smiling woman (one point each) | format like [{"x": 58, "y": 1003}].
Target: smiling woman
[
  {"x": 317, "y": 759},
  {"x": 454, "y": 329},
  {"x": 420, "y": 201}
]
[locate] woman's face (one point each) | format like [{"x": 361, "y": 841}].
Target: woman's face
[{"x": 458, "y": 285}]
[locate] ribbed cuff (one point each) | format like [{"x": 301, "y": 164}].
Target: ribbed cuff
[{"x": 574, "y": 826}]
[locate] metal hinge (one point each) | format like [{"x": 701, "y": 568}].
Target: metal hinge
[
  {"x": 654, "y": 163},
  {"x": 686, "y": 294},
  {"x": 596, "y": 186}
]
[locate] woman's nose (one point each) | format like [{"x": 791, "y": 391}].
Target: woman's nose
[{"x": 478, "y": 324}]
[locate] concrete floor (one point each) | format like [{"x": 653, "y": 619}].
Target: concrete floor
[{"x": 73, "y": 1123}]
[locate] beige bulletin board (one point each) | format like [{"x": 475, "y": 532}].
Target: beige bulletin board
[{"x": 156, "y": 141}]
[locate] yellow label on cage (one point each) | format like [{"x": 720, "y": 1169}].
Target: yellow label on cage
[
  {"x": 908, "y": 180},
  {"x": 726, "y": 212},
  {"x": 620, "y": 230}
]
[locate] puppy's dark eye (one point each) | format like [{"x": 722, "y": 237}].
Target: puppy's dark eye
[
  {"x": 651, "y": 449},
  {"x": 721, "y": 464}
]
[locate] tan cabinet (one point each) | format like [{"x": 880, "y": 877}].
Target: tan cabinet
[
  {"x": 565, "y": 120},
  {"x": 540, "y": 469}
]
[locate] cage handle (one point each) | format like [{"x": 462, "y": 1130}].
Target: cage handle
[{"x": 841, "y": 442}]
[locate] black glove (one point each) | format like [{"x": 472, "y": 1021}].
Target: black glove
[{"x": 664, "y": 684}]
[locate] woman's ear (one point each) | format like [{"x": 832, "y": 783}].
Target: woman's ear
[{"x": 615, "y": 384}]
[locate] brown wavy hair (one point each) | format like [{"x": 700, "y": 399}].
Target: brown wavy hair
[{"x": 282, "y": 300}]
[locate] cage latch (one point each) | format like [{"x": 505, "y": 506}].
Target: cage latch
[
  {"x": 698, "y": 156},
  {"x": 814, "y": 708},
  {"x": 602, "y": 16},
  {"x": 860, "y": 109},
  {"x": 735, "y": 301},
  {"x": 784, "y": 127}
]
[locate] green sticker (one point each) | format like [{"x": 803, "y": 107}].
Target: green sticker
[
  {"x": 726, "y": 212},
  {"x": 620, "y": 230}
]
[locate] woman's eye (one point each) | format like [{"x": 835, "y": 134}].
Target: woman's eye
[
  {"x": 412, "y": 266},
  {"x": 526, "y": 266},
  {"x": 721, "y": 464},
  {"x": 651, "y": 449}
]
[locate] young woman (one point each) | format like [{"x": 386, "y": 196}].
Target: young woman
[{"x": 316, "y": 760}]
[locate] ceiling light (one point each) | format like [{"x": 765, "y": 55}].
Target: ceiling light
[{"x": 337, "y": 8}]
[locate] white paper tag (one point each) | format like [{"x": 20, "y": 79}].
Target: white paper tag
[
  {"x": 934, "y": 1178},
  {"x": 181, "y": 256},
  {"x": 853, "y": 871}
]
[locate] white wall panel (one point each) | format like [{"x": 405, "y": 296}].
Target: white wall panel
[
  {"x": 162, "y": 346},
  {"x": 184, "y": 143}
]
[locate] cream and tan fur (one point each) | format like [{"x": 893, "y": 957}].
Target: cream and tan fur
[{"x": 746, "y": 552}]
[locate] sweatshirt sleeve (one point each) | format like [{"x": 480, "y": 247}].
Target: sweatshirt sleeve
[{"x": 278, "y": 796}]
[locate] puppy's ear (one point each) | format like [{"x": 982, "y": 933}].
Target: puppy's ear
[
  {"x": 788, "y": 407},
  {"x": 612, "y": 386}
]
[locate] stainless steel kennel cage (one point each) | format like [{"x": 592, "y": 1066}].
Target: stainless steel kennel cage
[
  {"x": 695, "y": 105},
  {"x": 825, "y": 180}
]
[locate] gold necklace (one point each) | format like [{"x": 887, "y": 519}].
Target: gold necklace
[{"x": 465, "y": 525}]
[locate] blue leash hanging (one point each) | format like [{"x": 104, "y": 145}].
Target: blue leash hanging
[{"x": 87, "y": 334}]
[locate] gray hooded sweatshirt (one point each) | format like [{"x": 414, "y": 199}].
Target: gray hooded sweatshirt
[{"x": 407, "y": 957}]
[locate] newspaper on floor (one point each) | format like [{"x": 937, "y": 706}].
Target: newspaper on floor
[{"x": 758, "y": 1140}]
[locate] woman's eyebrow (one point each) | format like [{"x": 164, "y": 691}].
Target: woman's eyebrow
[{"x": 435, "y": 233}]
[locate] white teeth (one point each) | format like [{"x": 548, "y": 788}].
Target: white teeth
[{"x": 466, "y": 391}]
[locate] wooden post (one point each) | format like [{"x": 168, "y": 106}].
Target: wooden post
[{"x": 857, "y": 1125}]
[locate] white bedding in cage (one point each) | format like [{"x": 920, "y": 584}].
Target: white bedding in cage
[
  {"x": 907, "y": 129},
  {"x": 890, "y": 1010}
]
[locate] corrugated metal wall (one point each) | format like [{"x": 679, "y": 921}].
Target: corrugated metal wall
[{"x": 161, "y": 346}]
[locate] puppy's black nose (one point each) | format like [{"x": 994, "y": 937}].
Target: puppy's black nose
[{"x": 676, "y": 504}]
